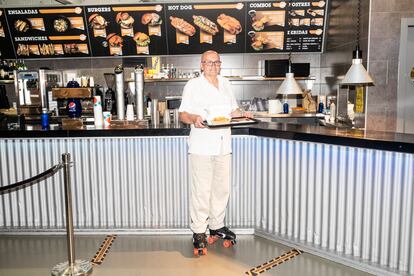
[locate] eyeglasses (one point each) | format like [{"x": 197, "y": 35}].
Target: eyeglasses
[{"x": 211, "y": 63}]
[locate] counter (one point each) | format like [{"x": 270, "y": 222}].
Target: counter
[
  {"x": 346, "y": 195},
  {"x": 337, "y": 136}
]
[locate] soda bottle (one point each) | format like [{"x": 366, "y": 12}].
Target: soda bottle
[
  {"x": 45, "y": 119},
  {"x": 320, "y": 107},
  {"x": 286, "y": 107}
]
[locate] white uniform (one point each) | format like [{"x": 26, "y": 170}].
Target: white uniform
[{"x": 210, "y": 152}]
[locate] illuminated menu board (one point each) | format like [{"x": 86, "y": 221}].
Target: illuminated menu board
[
  {"x": 279, "y": 26},
  {"x": 127, "y": 30},
  {"x": 197, "y": 27},
  {"x": 164, "y": 29},
  {"x": 48, "y": 32}
]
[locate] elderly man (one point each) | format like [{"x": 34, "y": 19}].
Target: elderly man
[{"x": 206, "y": 97}]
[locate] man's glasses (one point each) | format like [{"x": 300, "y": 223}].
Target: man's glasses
[{"x": 211, "y": 63}]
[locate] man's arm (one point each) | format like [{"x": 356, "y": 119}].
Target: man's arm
[{"x": 188, "y": 118}]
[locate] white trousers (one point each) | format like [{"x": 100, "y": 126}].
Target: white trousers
[{"x": 209, "y": 190}]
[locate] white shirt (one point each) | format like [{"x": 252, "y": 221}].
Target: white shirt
[{"x": 202, "y": 98}]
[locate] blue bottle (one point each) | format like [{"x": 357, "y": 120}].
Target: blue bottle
[
  {"x": 286, "y": 108},
  {"x": 45, "y": 119},
  {"x": 320, "y": 107}
]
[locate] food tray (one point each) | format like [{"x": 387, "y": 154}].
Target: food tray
[{"x": 235, "y": 121}]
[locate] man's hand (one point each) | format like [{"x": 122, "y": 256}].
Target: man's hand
[
  {"x": 199, "y": 122},
  {"x": 189, "y": 119}
]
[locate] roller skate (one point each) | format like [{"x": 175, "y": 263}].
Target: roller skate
[
  {"x": 223, "y": 233},
  {"x": 200, "y": 244}
]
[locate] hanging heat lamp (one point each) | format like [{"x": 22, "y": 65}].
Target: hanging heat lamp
[
  {"x": 357, "y": 74},
  {"x": 289, "y": 86}
]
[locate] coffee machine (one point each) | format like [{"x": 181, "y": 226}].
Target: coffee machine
[
  {"x": 109, "y": 101},
  {"x": 34, "y": 90}
]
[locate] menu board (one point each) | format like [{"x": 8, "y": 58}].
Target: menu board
[
  {"x": 48, "y": 32},
  {"x": 279, "y": 26},
  {"x": 6, "y": 46},
  {"x": 198, "y": 27},
  {"x": 163, "y": 29},
  {"x": 127, "y": 30}
]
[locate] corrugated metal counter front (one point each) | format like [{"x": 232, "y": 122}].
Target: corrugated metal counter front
[{"x": 348, "y": 202}]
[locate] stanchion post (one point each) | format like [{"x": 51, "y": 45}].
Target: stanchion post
[
  {"x": 72, "y": 267},
  {"x": 68, "y": 207}
]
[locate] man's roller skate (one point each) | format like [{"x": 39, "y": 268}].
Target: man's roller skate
[
  {"x": 200, "y": 244},
  {"x": 223, "y": 233}
]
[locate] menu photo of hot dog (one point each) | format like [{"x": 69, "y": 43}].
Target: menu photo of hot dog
[
  {"x": 127, "y": 30},
  {"x": 183, "y": 29},
  {"x": 207, "y": 28},
  {"x": 197, "y": 27}
]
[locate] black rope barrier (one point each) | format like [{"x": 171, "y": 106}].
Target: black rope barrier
[
  {"x": 30, "y": 181},
  {"x": 72, "y": 267}
]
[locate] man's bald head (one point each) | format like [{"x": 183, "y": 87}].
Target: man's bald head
[{"x": 208, "y": 54}]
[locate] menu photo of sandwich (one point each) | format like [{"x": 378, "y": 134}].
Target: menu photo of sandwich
[
  {"x": 207, "y": 28},
  {"x": 22, "y": 50},
  {"x": 143, "y": 41},
  {"x": 154, "y": 21},
  {"x": 183, "y": 30},
  {"x": 231, "y": 26},
  {"x": 75, "y": 48},
  {"x": 115, "y": 43},
  {"x": 125, "y": 21},
  {"x": 267, "y": 40},
  {"x": 261, "y": 19},
  {"x": 98, "y": 24},
  {"x": 34, "y": 50}
]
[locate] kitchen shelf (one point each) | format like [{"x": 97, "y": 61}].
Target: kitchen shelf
[{"x": 233, "y": 78}]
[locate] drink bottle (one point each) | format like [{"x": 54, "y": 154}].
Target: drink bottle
[{"x": 45, "y": 119}]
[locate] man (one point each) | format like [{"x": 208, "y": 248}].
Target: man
[{"x": 206, "y": 97}]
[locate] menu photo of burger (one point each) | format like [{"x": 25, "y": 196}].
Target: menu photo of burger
[
  {"x": 154, "y": 21},
  {"x": 115, "y": 43},
  {"x": 98, "y": 24},
  {"x": 142, "y": 40},
  {"x": 125, "y": 21}
]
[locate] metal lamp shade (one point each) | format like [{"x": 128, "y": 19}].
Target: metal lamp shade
[
  {"x": 289, "y": 86},
  {"x": 357, "y": 74}
]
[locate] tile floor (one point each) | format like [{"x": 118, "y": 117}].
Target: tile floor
[{"x": 159, "y": 255}]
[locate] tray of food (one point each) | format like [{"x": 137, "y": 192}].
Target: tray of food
[{"x": 229, "y": 122}]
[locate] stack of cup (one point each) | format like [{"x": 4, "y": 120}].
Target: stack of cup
[
  {"x": 97, "y": 111},
  {"x": 166, "y": 118},
  {"x": 130, "y": 112},
  {"x": 107, "y": 119}
]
